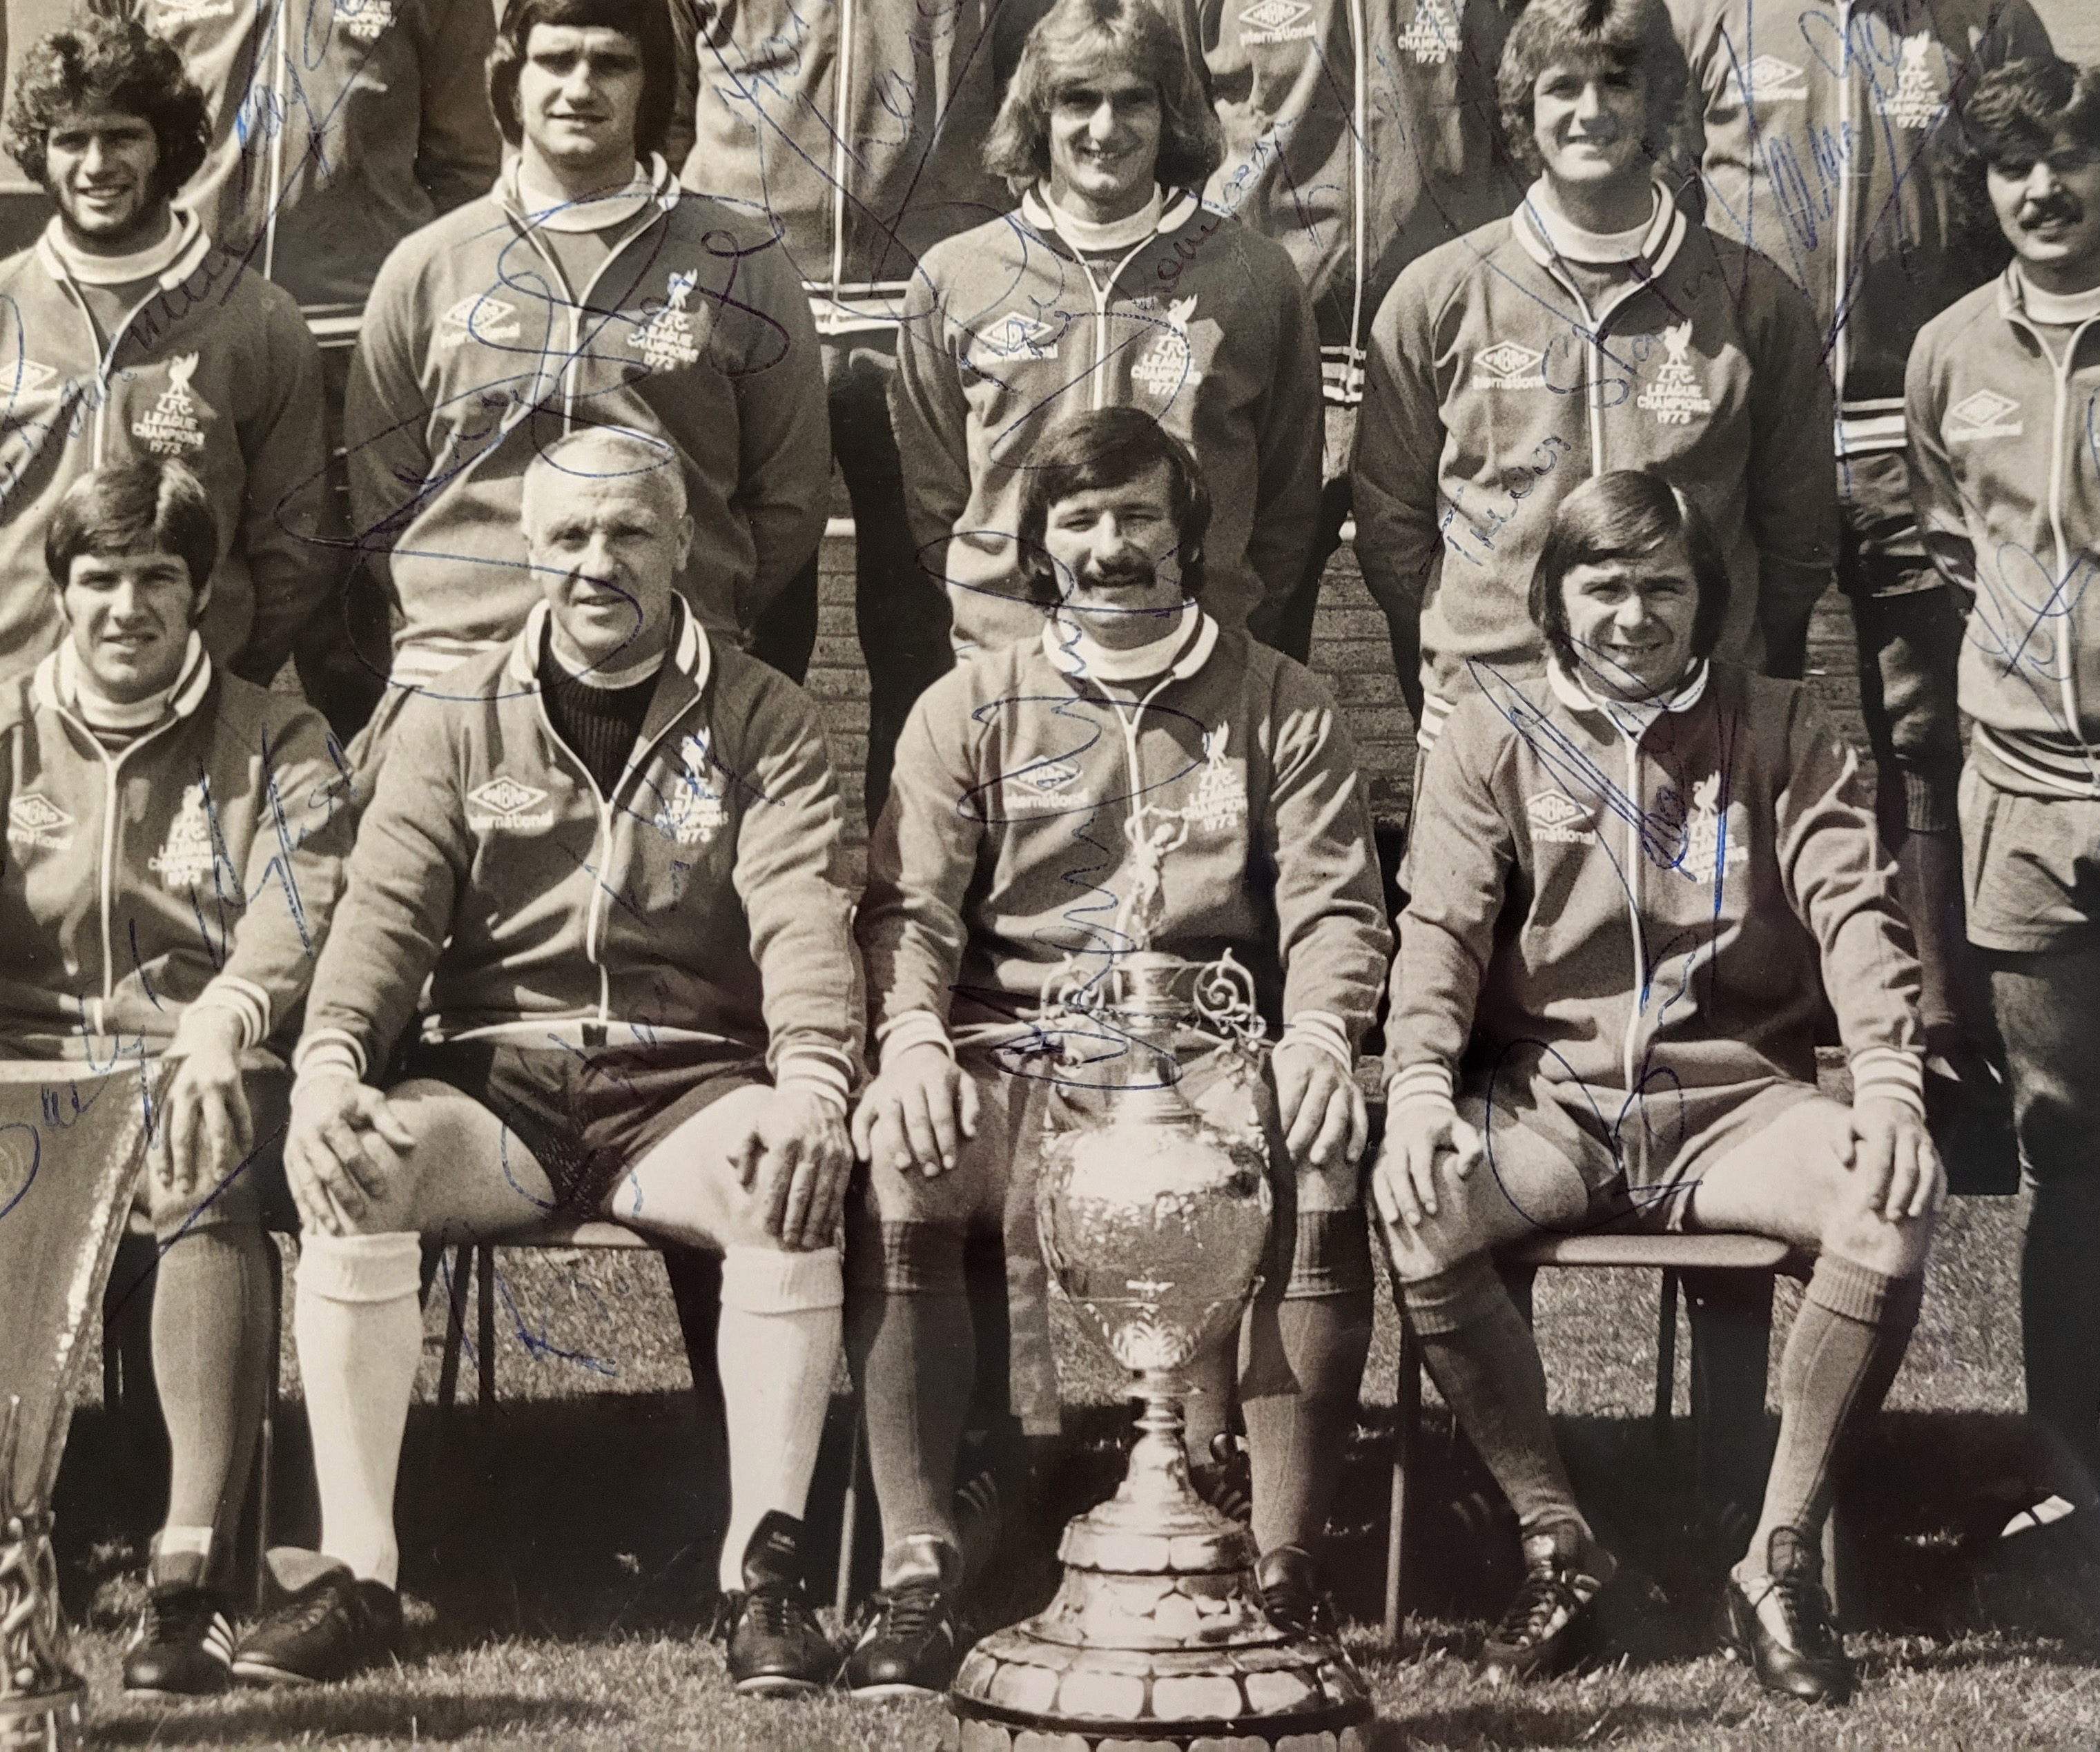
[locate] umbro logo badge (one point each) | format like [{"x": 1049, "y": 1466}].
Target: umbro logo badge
[
  {"x": 35, "y": 820},
  {"x": 1275, "y": 21},
  {"x": 1772, "y": 80},
  {"x": 26, "y": 378},
  {"x": 507, "y": 804},
  {"x": 1985, "y": 414},
  {"x": 1560, "y": 819},
  {"x": 1507, "y": 366},
  {"x": 480, "y": 317},
  {"x": 1018, "y": 336}
]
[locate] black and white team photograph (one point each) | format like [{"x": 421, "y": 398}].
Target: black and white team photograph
[{"x": 1049, "y": 875}]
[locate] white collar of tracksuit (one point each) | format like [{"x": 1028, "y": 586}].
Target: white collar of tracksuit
[
  {"x": 167, "y": 264},
  {"x": 1177, "y": 654},
  {"x": 688, "y": 651},
  {"x": 58, "y": 687},
  {"x": 1632, "y": 718},
  {"x": 2017, "y": 298},
  {"x": 1171, "y": 212},
  {"x": 1547, "y": 236},
  {"x": 550, "y": 210}
]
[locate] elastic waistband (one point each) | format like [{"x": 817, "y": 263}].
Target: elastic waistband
[{"x": 574, "y": 1032}]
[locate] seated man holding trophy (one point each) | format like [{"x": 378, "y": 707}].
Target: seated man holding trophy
[
  {"x": 175, "y": 838},
  {"x": 607, "y": 863},
  {"x": 1135, "y": 779},
  {"x": 1630, "y": 883}
]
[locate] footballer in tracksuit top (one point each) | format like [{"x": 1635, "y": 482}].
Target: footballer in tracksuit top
[
  {"x": 1044, "y": 793},
  {"x": 1359, "y": 135},
  {"x": 587, "y": 289},
  {"x": 856, "y": 130},
  {"x": 1632, "y": 882},
  {"x": 174, "y": 843},
  {"x": 127, "y": 331},
  {"x": 1815, "y": 128},
  {"x": 1595, "y": 328},
  {"x": 2003, "y": 388},
  {"x": 1112, "y": 284},
  {"x": 606, "y": 862}
]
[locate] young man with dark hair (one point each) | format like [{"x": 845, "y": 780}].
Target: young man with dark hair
[
  {"x": 2001, "y": 387},
  {"x": 175, "y": 836},
  {"x": 1111, "y": 284},
  {"x": 1631, "y": 883},
  {"x": 132, "y": 333},
  {"x": 1595, "y": 328},
  {"x": 1189, "y": 771},
  {"x": 1812, "y": 131},
  {"x": 856, "y": 132},
  {"x": 588, "y": 288},
  {"x": 607, "y": 862}
]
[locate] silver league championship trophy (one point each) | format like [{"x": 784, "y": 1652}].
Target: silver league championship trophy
[
  {"x": 71, "y": 1142},
  {"x": 1154, "y": 1220}
]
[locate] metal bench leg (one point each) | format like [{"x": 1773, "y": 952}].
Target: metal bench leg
[
  {"x": 849, "y": 1520},
  {"x": 485, "y": 1329},
  {"x": 1731, "y": 1314},
  {"x": 455, "y": 1328},
  {"x": 1406, "y": 1422},
  {"x": 1665, "y": 1358},
  {"x": 265, "y": 1433}
]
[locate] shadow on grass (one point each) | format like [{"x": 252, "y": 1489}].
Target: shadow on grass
[
  {"x": 337, "y": 1714},
  {"x": 1513, "y": 1719}
]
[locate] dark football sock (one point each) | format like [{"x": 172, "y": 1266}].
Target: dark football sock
[
  {"x": 1847, "y": 1342},
  {"x": 2060, "y": 1338},
  {"x": 1299, "y": 1402},
  {"x": 211, "y": 1355},
  {"x": 913, "y": 1355},
  {"x": 1485, "y": 1362}
]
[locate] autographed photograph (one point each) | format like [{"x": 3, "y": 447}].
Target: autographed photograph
[{"x": 1050, "y": 875}]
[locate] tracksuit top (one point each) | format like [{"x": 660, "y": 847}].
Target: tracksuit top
[
  {"x": 1867, "y": 234},
  {"x": 1646, "y": 911},
  {"x": 1494, "y": 391},
  {"x": 2007, "y": 487},
  {"x": 213, "y": 368},
  {"x": 855, "y": 130},
  {"x": 1203, "y": 324},
  {"x": 1004, "y": 845},
  {"x": 706, "y": 898},
  {"x": 476, "y": 355},
  {"x": 1359, "y": 135},
  {"x": 201, "y": 862},
  {"x": 337, "y": 127}
]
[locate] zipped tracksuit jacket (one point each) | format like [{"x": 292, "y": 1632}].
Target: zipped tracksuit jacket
[
  {"x": 1867, "y": 233},
  {"x": 1002, "y": 849},
  {"x": 215, "y": 367},
  {"x": 707, "y": 897},
  {"x": 1646, "y": 921},
  {"x": 1494, "y": 390},
  {"x": 475, "y": 356},
  {"x": 2007, "y": 487},
  {"x": 337, "y": 129},
  {"x": 202, "y": 862},
  {"x": 854, "y": 131},
  {"x": 1359, "y": 135},
  {"x": 1203, "y": 324}
]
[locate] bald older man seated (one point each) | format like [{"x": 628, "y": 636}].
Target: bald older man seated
[{"x": 612, "y": 852}]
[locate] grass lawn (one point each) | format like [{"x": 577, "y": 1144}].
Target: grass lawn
[{"x": 558, "y": 1558}]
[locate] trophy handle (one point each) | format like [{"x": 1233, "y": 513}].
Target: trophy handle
[{"x": 1224, "y": 996}]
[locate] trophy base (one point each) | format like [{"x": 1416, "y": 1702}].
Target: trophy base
[{"x": 52, "y": 1721}]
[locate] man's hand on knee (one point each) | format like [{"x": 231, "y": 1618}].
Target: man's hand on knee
[
  {"x": 1422, "y": 1140},
  {"x": 1322, "y": 1110},
  {"x": 795, "y": 1152},
  {"x": 206, "y": 1124},
  {"x": 917, "y": 1113},
  {"x": 344, "y": 1150},
  {"x": 1891, "y": 1148}
]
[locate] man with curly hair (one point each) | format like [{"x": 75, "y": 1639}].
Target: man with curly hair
[
  {"x": 1111, "y": 284},
  {"x": 1595, "y": 328},
  {"x": 129, "y": 331}
]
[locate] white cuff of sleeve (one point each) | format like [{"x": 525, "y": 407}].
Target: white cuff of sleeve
[
  {"x": 1424, "y": 1085},
  {"x": 1324, "y": 1032},
  {"x": 817, "y": 1074},
  {"x": 328, "y": 1049},
  {"x": 1889, "y": 1074},
  {"x": 246, "y": 1002},
  {"x": 912, "y": 1028}
]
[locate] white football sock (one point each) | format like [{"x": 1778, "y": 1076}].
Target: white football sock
[
  {"x": 360, "y": 1333},
  {"x": 777, "y": 1351}
]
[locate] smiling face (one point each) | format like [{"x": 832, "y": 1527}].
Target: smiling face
[
  {"x": 2049, "y": 208},
  {"x": 1587, "y": 123},
  {"x": 1114, "y": 559},
  {"x": 579, "y": 93},
  {"x": 1104, "y": 129},
  {"x": 606, "y": 546},
  {"x": 101, "y": 166},
  {"x": 130, "y": 616},
  {"x": 1630, "y": 620}
]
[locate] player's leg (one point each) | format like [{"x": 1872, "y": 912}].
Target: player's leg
[
  {"x": 213, "y": 1324},
  {"x": 776, "y": 1349},
  {"x": 1791, "y": 1177},
  {"x": 913, "y": 1348},
  {"x": 1480, "y": 1351}
]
